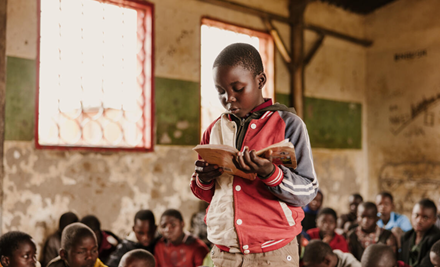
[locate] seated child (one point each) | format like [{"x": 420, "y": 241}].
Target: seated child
[
  {"x": 368, "y": 233},
  {"x": 311, "y": 212},
  {"x": 348, "y": 221},
  {"x": 326, "y": 222},
  {"x": 417, "y": 243},
  {"x": 177, "y": 248},
  {"x": 137, "y": 258},
  {"x": 253, "y": 221},
  {"x": 17, "y": 249},
  {"x": 320, "y": 254},
  {"x": 53, "y": 242},
  {"x": 380, "y": 255},
  {"x": 388, "y": 218},
  {"x": 107, "y": 241},
  {"x": 143, "y": 237},
  {"x": 434, "y": 255},
  {"x": 79, "y": 248}
]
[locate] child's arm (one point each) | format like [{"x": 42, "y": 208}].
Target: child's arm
[{"x": 295, "y": 187}]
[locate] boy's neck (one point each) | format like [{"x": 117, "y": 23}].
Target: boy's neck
[
  {"x": 419, "y": 236},
  {"x": 179, "y": 240},
  {"x": 369, "y": 231},
  {"x": 385, "y": 218}
]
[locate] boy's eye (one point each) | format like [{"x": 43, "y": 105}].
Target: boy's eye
[{"x": 238, "y": 89}]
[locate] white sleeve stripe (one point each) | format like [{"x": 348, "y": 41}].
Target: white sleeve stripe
[
  {"x": 271, "y": 244},
  {"x": 277, "y": 179},
  {"x": 307, "y": 193},
  {"x": 308, "y": 147},
  {"x": 314, "y": 183}
]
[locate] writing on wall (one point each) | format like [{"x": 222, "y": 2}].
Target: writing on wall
[
  {"x": 425, "y": 109},
  {"x": 410, "y": 55}
]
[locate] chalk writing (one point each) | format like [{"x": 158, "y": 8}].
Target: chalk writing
[
  {"x": 410, "y": 55},
  {"x": 401, "y": 121}
]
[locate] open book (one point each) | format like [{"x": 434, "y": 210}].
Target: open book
[{"x": 283, "y": 153}]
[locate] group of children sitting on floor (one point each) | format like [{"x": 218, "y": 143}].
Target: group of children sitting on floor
[
  {"x": 83, "y": 244},
  {"x": 372, "y": 234}
]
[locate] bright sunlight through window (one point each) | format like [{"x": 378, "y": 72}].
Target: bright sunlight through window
[
  {"x": 216, "y": 36},
  {"x": 95, "y": 75}
]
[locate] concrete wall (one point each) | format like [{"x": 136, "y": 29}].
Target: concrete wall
[{"x": 402, "y": 97}]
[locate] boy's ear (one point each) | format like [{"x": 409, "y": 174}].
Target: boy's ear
[
  {"x": 262, "y": 79},
  {"x": 4, "y": 261},
  {"x": 328, "y": 260},
  {"x": 63, "y": 254}
]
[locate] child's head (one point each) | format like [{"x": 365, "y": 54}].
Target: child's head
[
  {"x": 144, "y": 227},
  {"x": 378, "y": 255},
  {"x": 319, "y": 254},
  {"x": 384, "y": 202},
  {"x": 423, "y": 215},
  {"x": 79, "y": 247},
  {"x": 316, "y": 203},
  {"x": 239, "y": 78},
  {"x": 353, "y": 202},
  {"x": 326, "y": 221},
  {"x": 17, "y": 249},
  {"x": 66, "y": 219},
  {"x": 93, "y": 223},
  {"x": 367, "y": 216},
  {"x": 171, "y": 226},
  {"x": 137, "y": 258},
  {"x": 434, "y": 255}
]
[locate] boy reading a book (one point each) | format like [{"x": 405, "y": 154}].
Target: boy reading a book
[{"x": 252, "y": 222}]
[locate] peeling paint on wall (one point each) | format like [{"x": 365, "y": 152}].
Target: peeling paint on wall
[{"x": 40, "y": 185}]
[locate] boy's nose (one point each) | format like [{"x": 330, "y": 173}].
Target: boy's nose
[{"x": 230, "y": 97}]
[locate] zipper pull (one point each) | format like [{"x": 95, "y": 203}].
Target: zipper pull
[{"x": 242, "y": 122}]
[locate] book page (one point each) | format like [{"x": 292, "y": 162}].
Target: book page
[{"x": 223, "y": 156}]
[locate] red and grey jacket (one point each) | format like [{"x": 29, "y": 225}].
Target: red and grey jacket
[{"x": 264, "y": 214}]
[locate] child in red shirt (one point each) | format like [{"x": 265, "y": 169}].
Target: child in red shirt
[
  {"x": 326, "y": 222},
  {"x": 177, "y": 248}
]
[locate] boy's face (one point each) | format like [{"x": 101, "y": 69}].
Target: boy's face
[
  {"x": 239, "y": 90},
  {"x": 353, "y": 203},
  {"x": 422, "y": 218},
  {"x": 435, "y": 259},
  {"x": 384, "y": 205},
  {"x": 326, "y": 224},
  {"x": 144, "y": 231},
  {"x": 316, "y": 203},
  {"x": 24, "y": 256},
  {"x": 83, "y": 252},
  {"x": 367, "y": 219},
  {"x": 171, "y": 228}
]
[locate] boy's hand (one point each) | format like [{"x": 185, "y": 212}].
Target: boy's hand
[
  {"x": 207, "y": 172},
  {"x": 249, "y": 162}
]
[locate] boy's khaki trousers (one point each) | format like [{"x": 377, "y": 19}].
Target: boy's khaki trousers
[{"x": 286, "y": 256}]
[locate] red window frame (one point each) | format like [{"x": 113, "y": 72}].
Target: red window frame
[{"x": 148, "y": 81}]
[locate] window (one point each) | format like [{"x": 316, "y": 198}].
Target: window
[
  {"x": 215, "y": 36},
  {"x": 95, "y": 75}
]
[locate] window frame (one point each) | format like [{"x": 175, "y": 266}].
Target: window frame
[{"x": 148, "y": 71}]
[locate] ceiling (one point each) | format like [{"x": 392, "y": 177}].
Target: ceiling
[{"x": 359, "y": 6}]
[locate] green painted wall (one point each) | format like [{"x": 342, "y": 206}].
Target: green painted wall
[
  {"x": 177, "y": 112},
  {"x": 333, "y": 124},
  {"x": 20, "y": 98}
]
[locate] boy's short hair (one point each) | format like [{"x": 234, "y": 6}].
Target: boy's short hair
[
  {"x": 428, "y": 204},
  {"x": 73, "y": 232},
  {"x": 173, "y": 213},
  {"x": 145, "y": 215},
  {"x": 386, "y": 194},
  {"x": 241, "y": 54},
  {"x": 436, "y": 248},
  {"x": 358, "y": 196},
  {"x": 328, "y": 211},
  {"x": 10, "y": 241},
  {"x": 66, "y": 219},
  {"x": 92, "y": 222},
  {"x": 138, "y": 254},
  {"x": 316, "y": 251},
  {"x": 369, "y": 206},
  {"x": 378, "y": 255}
]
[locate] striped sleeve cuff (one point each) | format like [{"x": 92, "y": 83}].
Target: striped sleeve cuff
[
  {"x": 204, "y": 186},
  {"x": 275, "y": 179}
]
